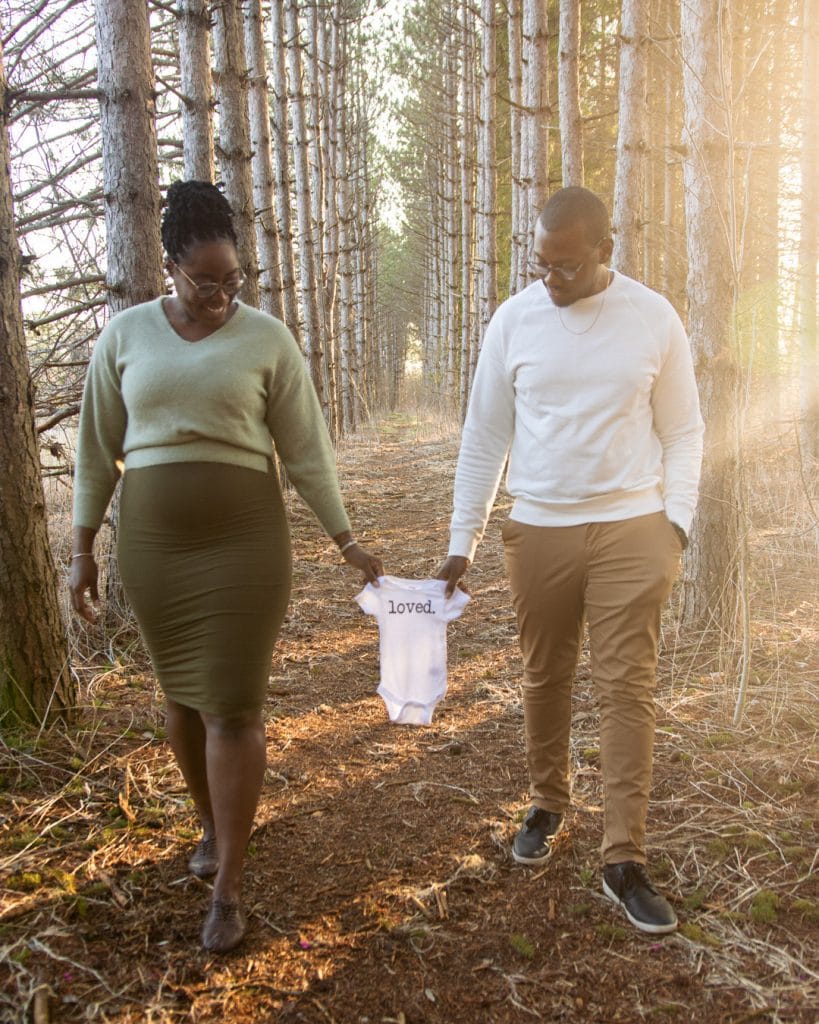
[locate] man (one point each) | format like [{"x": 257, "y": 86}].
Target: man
[{"x": 585, "y": 381}]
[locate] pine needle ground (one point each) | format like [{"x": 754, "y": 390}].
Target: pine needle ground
[{"x": 379, "y": 880}]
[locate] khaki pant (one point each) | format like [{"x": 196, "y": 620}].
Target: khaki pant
[{"x": 617, "y": 576}]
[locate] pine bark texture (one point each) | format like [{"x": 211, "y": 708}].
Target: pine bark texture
[
  {"x": 468, "y": 340},
  {"x": 538, "y": 113},
  {"x": 450, "y": 168},
  {"x": 230, "y": 78},
  {"x": 130, "y": 176},
  {"x": 711, "y": 565},
  {"x": 130, "y": 173},
  {"x": 518, "y": 227},
  {"x": 632, "y": 142},
  {"x": 308, "y": 271},
  {"x": 267, "y": 238},
  {"x": 345, "y": 262},
  {"x": 568, "y": 78},
  {"x": 279, "y": 122},
  {"x": 196, "y": 87},
  {"x": 487, "y": 167},
  {"x": 809, "y": 235},
  {"x": 35, "y": 682}
]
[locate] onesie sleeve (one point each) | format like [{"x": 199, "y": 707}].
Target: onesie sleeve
[
  {"x": 368, "y": 600},
  {"x": 454, "y": 606}
]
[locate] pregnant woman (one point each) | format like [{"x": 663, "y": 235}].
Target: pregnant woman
[{"x": 192, "y": 392}]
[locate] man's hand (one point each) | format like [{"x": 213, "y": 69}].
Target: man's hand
[{"x": 451, "y": 570}]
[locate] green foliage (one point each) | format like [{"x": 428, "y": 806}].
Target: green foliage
[
  {"x": 522, "y": 946},
  {"x": 720, "y": 740},
  {"x": 695, "y": 933},
  {"x": 808, "y": 910},
  {"x": 755, "y": 842},
  {"x": 580, "y": 909},
  {"x": 25, "y": 881},
  {"x": 764, "y": 907},
  {"x": 663, "y": 868},
  {"x": 611, "y": 932},
  {"x": 717, "y": 849},
  {"x": 694, "y": 900}
]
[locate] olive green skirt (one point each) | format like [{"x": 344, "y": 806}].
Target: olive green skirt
[{"x": 205, "y": 558}]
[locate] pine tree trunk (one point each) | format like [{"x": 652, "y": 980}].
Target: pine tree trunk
[
  {"x": 363, "y": 214},
  {"x": 279, "y": 123},
  {"x": 196, "y": 87},
  {"x": 487, "y": 167},
  {"x": 710, "y": 585},
  {"x": 537, "y": 102},
  {"x": 345, "y": 262},
  {"x": 130, "y": 170},
  {"x": 312, "y": 339},
  {"x": 230, "y": 78},
  {"x": 467, "y": 170},
  {"x": 630, "y": 172},
  {"x": 131, "y": 190},
  {"x": 449, "y": 167},
  {"x": 267, "y": 236},
  {"x": 35, "y": 681},
  {"x": 808, "y": 370},
  {"x": 571, "y": 124},
  {"x": 330, "y": 42},
  {"x": 316, "y": 161},
  {"x": 518, "y": 228}
]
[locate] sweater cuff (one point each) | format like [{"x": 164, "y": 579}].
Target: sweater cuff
[
  {"x": 680, "y": 514},
  {"x": 463, "y": 543}
]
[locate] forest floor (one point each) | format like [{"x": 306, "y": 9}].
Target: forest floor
[{"x": 380, "y": 885}]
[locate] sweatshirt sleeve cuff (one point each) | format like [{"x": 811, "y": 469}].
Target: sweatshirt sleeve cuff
[
  {"x": 463, "y": 543},
  {"x": 681, "y": 515}
]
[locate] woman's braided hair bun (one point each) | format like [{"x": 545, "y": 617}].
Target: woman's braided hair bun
[{"x": 195, "y": 211}]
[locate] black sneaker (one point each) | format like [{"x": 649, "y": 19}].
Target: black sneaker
[
  {"x": 629, "y": 885},
  {"x": 533, "y": 843}
]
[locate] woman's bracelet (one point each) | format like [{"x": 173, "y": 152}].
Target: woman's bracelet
[
  {"x": 83, "y": 554},
  {"x": 346, "y": 547}
]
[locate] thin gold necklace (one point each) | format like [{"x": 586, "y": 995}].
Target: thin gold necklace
[{"x": 586, "y": 330}]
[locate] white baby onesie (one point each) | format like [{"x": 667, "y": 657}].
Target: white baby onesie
[{"x": 412, "y": 619}]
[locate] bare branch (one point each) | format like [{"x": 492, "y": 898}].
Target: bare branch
[
  {"x": 73, "y": 282},
  {"x": 57, "y": 417},
  {"x": 52, "y": 97},
  {"x": 63, "y": 313}
]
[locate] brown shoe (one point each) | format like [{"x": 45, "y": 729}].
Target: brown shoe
[
  {"x": 204, "y": 860},
  {"x": 224, "y": 927}
]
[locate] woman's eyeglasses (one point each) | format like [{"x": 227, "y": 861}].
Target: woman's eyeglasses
[{"x": 209, "y": 288}]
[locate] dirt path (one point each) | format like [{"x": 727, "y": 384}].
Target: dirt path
[{"x": 379, "y": 880}]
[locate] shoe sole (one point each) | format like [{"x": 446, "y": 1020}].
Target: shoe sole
[
  {"x": 531, "y": 861},
  {"x": 644, "y": 926}
]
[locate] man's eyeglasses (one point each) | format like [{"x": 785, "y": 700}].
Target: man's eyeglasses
[
  {"x": 543, "y": 270},
  {"x": 208, "y": 289}
]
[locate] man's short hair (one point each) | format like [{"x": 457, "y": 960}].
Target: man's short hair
[{"x": 572, "y": 205}]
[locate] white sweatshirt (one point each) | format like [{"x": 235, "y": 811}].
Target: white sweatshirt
[{"x": 596, "y": 407}]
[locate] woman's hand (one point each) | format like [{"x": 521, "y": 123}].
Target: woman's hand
[
  {"x": 82, "y": 578},
  {"x": 370, "y": 565}
]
